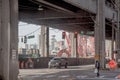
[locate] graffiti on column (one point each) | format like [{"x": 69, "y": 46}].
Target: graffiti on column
[{"x": 86, "y": 46}]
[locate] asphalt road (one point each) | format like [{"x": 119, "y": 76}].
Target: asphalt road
[{"x": 71, "y": 73}]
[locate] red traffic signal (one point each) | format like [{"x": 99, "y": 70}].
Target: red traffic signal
[{"x": 75, "y": 34}]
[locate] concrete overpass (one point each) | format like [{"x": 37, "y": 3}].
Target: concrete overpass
[
  {"x": 72, "y": 15},
  {"x": 68, "y": 13},
  {"x": 100, "y": 16}
]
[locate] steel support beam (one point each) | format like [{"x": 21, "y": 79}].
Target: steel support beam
[
  {"x": 58, "y": 21},
  {"x": 55, "y": 6},
  {"x": 51, "y": 14}
]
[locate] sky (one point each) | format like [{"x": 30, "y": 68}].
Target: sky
[{"x": 31, "y": 29}]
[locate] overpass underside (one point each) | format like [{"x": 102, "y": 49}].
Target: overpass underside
[
  {"x": 66, "y": 16},
  {"x": 100, "y": 17},
  {"x": 61, "y": 14}
]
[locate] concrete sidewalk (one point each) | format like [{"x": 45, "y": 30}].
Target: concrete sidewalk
[{"x": 84, "y": 72}]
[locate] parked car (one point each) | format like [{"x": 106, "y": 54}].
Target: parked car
[{"x": 58, "y": 62}]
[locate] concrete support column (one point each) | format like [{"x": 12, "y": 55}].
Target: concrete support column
[
  {"x": 73, "y": 45},
  {"x": 119, "y": 42},
  {"x": 5, "y": 38},
  {"x": 113, "y": 39},
  {"x": 44, "y": 41},
  {"x": 118, "y": 31},
  {"x": 117, "y": 45},
  {"x": 0, "y": 38},
  {"x": 100, "y": 33},
  {"x": 14, "y": 67},
  {"x": 47, "y": 41},
  {"x": 8, "y": 39},
  {"x": 116, "y": 41}
]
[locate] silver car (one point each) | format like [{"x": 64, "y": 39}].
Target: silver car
[{"x": 58, "y": 62}]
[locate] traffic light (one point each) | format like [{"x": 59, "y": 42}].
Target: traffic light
[
  {"x": 25, "y": 39},
  {"x": 21, "y": 39},
  {"x": 63, "y": 35},
  {"x": 75, "y": 34}
]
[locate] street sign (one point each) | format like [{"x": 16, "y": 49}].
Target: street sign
[
  {"x": 90, "y": 33},
  {"x": 82, "y": 32},
  {"x": 97, "y": 57},
  {"x": 14, "y": 54},
  {"x": 32, "y": 36}
]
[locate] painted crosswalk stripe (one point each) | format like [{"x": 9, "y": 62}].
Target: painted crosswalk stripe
[
  {"x": 50, "y": 76},
  {"x": 82, "y": 76},
  {"x": 64, "y": 76}
]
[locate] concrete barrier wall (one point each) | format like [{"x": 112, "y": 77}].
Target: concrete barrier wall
[{"x": 43, "y": 62}]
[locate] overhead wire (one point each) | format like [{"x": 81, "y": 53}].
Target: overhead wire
[
  {"x": 39, "y": 29},
  {"x": 31, "y": 32}
]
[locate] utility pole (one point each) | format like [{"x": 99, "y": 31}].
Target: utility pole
[{"x": 100, "y": 34}]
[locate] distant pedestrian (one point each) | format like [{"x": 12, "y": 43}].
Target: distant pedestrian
[{"x": 97, "y": 67}]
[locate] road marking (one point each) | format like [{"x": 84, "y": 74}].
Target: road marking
[
  {"x": 64, "y": 76},
  {"x": 36, "y": 76},
  {"x": 50, "y": 76},
  {"x": 118, "y": 76},
  {"x": 100, "y": 77},
  {"x": 29, "y": 78},
  {"x": 82, "y": 76}
]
